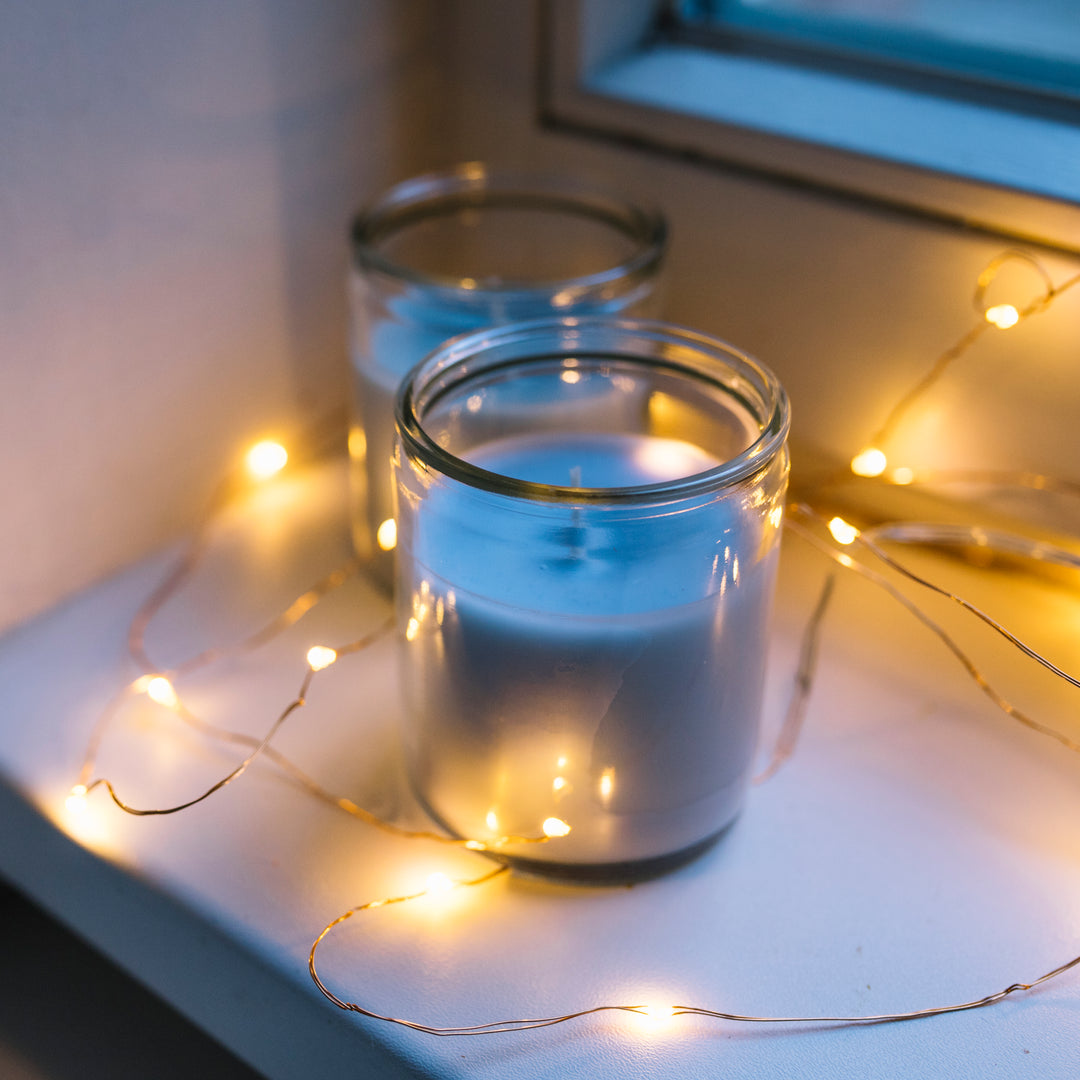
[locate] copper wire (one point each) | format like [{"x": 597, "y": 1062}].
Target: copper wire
[
  {"x": 500, "y": 1027},
  {"x": 945, "y": 360},
  {"x": 785, "y": 745},
  {"x": 980, "y": 680}
]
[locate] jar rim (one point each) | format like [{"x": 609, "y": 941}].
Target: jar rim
[
  {"x": 642, "y": 341},
  {"x": 475, "y": 185}
]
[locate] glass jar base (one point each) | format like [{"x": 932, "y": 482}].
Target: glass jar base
[{"x": 629, "y": 872}]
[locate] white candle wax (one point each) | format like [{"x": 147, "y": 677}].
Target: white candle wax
[
  {"x": 600, "y": 668},
  {"x": 380, "y": 362}
]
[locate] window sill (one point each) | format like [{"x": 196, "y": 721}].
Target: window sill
[{"x": 881, "y": 857}]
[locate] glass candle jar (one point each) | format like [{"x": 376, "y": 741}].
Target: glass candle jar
[
  {"x": 451, "y": 252},
  {"x": 589, "y": 513}
]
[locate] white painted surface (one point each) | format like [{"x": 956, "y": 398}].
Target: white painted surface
[{"x": 919, "y": 849}]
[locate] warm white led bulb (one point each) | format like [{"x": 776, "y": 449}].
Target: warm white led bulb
[
  {"x": 658, "y": 1012},
  {"x": 386, "y": 535},
  {"x": 159, "y": 689},
  {"x": 842, "y": 531},
  {"x": 1002, "y": 316},
  {"x": 320, "y": 656},
  {"x": 438, "y": 883},
  {"x": 554, "y": 826},
  {"x": 266, "y": 458},
  {"x": 869, "y": 462},
  {"x": 76, "y": 800}
]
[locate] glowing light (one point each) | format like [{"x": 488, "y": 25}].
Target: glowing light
[
  {"x": 412, "y": 628},
  {"x": 141, "y": 684},
  {"x": 320, "y": 656},
  {"x": 76, "y": 800},
  {"x": 776, "y": 515},
  {"x": 559, "y": 784},
  {"x": 571, "y": 377},
  {"x": 266, "y": 458},
  {"x": 474, "y": 402},
  {"x": 842, "y": 532},
  {"x": 562, "y": 762},
  {"x": 386, "y": 536},
  {"x": 658, "y": 1012},
  {"x": 903, "y": 475},
  {"x": 607, "y": 783},
  {"x": 554, "y": 826},
  {"x": 869, "y": 462},
  {"x": 159, "y": 689},
  {"x": 357, "y": 444},
  {"x": 1002, "y": 316},
  {"x": 492, "y": 820},
  {"x": 437, "y": 884},
  {"x": 846, "y": 561},
  {"x": 655, "y": 1017},
  {"x": 476, "y": 845}
]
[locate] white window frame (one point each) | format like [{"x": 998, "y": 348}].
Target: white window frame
[{"x": 972, "y": 165}]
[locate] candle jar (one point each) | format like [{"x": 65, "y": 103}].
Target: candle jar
[
  {"x": 450, "y": 252},
  {"x": 589, "y": 515}
]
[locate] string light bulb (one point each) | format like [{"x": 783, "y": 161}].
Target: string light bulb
[
  {"x": 437, "y": 884},
  {"x": 554, "y": 827},
  {"x": 386, "y": 535},
  {"x": 1002, "y": 316},
  {"x": 160, "y": 690},
  {"x": 869, "y": 462},
  {"x": 656, "y": 1014},
  {"x": 266, "y": 459},
  {"x": 76, "y": 800},
  {"x": 842, "y": 531},
  {"x": 320, "y": 656}
]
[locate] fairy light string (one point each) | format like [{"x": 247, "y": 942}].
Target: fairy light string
[
  {"x": 266, "y": 460},
  {"x": 872, "y": 461}
]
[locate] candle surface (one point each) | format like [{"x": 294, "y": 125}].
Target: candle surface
[
  {"x": 593, "y": 460},
  {"x": 585, "y": 662}
]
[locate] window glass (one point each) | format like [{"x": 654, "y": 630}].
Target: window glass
[{"x": 1032, "y": 45}]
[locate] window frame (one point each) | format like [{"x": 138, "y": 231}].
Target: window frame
[{"x": 608, "y": 69}]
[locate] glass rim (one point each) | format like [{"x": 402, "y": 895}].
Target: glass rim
[
  {"x": 474, "y": 185},
  {"x": 449, "y": 366}
]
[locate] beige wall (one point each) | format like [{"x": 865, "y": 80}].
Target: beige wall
[{"x": 175, "y": 184}]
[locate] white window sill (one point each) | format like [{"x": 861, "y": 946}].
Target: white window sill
[{"x": 868, "y": 876}]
